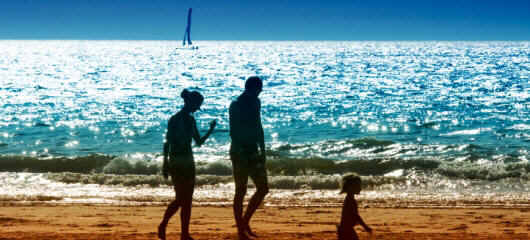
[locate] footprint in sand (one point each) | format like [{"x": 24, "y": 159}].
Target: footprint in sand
[
  {"x": 460, "y": 227},
  {"x": 8, "y": 221},
  {"x": 318, "y": 212},
  {"x": 479, "y": 222},
  {"x": 106, "y": 225},
  {"x": 510, "y": 224}
]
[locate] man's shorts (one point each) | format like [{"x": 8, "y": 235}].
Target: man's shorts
[{"x": 249, "y": 164}]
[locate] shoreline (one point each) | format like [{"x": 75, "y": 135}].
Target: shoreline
[
  {"x": 222, "y": 204},
  {"x": 85, "y": 221}
]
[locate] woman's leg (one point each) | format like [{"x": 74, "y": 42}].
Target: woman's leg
[
  {"x": 185, "y": 213},
  {"x": 172, "y": 208}
]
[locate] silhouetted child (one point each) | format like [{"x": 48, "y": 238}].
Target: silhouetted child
[{"x": 351, "y": 185}]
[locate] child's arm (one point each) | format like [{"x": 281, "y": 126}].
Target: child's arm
[{"x": 368, "y": 229}]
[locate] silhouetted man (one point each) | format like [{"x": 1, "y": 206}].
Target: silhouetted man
[{"x": 247, "y": 153}]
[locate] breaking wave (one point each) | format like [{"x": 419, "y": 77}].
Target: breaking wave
[{"x": 303, "y": 166}]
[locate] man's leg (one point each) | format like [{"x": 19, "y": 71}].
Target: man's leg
[
  {"x": 241, "y": 180},
  {"x": 259, "y": 177}
]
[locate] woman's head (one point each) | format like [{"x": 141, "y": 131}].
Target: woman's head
[
  {"x": 351, "y": 183},
  {"x": 192, "y": 100}
]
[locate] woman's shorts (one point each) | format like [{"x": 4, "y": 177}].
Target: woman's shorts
[{"x": 181, "y": 167}]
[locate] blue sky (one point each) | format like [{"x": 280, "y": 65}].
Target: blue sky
[{"x": 267, "y": 20}]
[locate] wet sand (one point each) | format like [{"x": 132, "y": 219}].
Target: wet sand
[{"x": 77, "y": 221}]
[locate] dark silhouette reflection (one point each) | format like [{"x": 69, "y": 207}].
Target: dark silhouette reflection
[
  {"x": 179, "y": 162},
  {"x": 351, "y": 185},
  {"x": 247, "y": 153}
]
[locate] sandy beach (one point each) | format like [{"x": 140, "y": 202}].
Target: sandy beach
[{"x": 78, "y": 221}]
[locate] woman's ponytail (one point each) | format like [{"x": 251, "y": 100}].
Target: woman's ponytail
[{"x": 185, "y": 94}]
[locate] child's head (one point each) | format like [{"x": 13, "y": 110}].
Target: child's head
[{"x": 351, "y": 183}]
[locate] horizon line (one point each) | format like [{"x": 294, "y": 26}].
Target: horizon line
[{"x": 265, "y": 40}]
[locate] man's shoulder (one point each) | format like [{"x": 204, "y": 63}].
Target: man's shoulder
[
  {"x": 176, "y": 116},
  {"x": 234, "y": 105},
  {"x": 246, "y": 99},
  {"x": 173, "y": 118}
]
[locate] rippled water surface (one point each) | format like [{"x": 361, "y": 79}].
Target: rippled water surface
[{"x": 454, "y": 109}]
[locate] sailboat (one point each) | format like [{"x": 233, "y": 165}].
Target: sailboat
[{"x": 187, "y": 35}]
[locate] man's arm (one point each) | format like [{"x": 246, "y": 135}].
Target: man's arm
[
  {"x": 235, "y": 123},
  {"x": 261, "y": 135},
  {"x": 166, "y": 151}
]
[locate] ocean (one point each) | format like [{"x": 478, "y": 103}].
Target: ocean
[{"x": 423, "y": 123}]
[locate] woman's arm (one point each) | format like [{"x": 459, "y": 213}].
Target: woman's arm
[
  {"x": 168, "y": 141},
  {"x": 165, "y": 161},
  {"x": 198, "y": 139}
]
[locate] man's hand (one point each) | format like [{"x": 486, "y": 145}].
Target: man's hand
[
  {"x": 165, "y": 171},
  {"x": 368, "y": 229},
  {"x": 262, "y": 157}
]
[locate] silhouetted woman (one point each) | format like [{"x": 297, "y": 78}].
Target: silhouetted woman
[{"x": 178, "y": 160}]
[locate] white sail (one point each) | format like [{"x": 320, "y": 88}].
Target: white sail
[{"x": 187, "y": 33}]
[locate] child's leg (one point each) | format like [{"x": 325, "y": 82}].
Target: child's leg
[
  {"x": 354, "y": 235},
  {"x": 346, "y": 233}
]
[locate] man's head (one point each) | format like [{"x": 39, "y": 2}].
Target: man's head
[{"x": 253, "y": 86}]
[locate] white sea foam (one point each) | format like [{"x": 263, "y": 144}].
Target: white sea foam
[
  {"x": 520, "y": 127},
  {"x": 31, "y": 187},
  {"x": 467, "y": 132}
]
